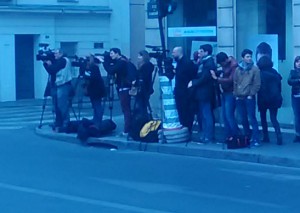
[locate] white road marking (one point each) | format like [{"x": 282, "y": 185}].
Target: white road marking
[{"x": 79, "y": 199}]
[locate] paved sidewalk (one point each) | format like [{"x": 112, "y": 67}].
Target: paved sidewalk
[{"x": 269, "y": 153}]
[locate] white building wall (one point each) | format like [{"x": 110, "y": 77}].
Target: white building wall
[
  {"x": 53, "y": 28},
  {"x": 11, "y": 24},
  {"x": 83, "y": 29}
]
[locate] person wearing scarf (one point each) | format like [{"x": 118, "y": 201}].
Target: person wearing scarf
[{"x": 246, "y": 84}]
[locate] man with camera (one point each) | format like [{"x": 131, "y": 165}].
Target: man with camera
[
  {"x": 95, "y": 88},
  {"x": 60, "y": 70},
  {"x": 116, "y": 65}
]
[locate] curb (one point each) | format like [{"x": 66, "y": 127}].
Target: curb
[{"x": 175, "y": 149}]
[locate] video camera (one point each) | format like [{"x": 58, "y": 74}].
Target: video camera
[
  {"x": 45, "y": 53},
  {"x": 167, "y": 62}
]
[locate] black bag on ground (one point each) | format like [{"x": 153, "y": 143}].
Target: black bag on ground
[
  {"x": 149, "y": 132},
  {"x": 87, "y": 129},
  {"x": 137, "y": 124},
  {"x": 238, "y": 142}
]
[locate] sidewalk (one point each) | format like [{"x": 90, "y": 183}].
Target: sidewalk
[{"x": 269, "y": 153}]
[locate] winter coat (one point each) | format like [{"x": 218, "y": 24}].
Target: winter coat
[
  {"x": 204, "y": 83},
  {"x": 186, "y": 71},
  {"x": 294, "y": 81},
  {"x": 226, "y": 81},
  {"x": 94, "y": 83},
  {"x": 269, "y": 95},
  {"x": 144, "y": 80},
  {"x": 246, "y": 80}
]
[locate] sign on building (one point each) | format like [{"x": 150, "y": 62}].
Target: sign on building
[
  {"x": 192, "y": 31},
  {"x": 152, "y": 10}
]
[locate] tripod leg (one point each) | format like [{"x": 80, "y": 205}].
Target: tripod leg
[{"x": 43, "y": 111}]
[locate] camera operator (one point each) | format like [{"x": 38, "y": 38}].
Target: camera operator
[
  {"x": 116, "y": 65},
  {"x": 95, "y": 88},
  {"x": 60, "y": 70}
]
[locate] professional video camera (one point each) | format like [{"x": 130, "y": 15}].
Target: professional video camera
[
  {"x": 45, "y": 53},
  {"x": 166, "y": 62}
]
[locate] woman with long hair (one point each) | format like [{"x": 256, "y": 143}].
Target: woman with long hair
[
  {"x": 144, "y": 82},
  {"x": 294, "y": 81},
  {"x": 269, "y": 97}
]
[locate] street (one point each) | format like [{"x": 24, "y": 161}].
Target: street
[{"x": 42, "y": 175}]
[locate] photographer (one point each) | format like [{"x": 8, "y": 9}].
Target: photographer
[
  {"x": 61, "y": 69},
  {"x": 116, "y": 65},
  {"x": 95, "y": 88}
]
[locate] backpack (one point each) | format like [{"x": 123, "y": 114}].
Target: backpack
[{"x": 149, "y": 132}]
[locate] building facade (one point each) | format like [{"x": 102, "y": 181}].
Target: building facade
[
  {"x": 238, "y": 24},
  {"x": 79, "y": 27}
]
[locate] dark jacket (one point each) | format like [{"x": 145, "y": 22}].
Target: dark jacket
[
  {"x": 186, "y": 71},
  {"x": 54, "y": 68},
  {"x": 118, "y": 68},
  {"x": 226, "y": 81},
  {"x": 204, "y": 83},
  {"x": 145, "y": 79},
  {"x": 95, "y": 83},
  {"x": 294, "y": 81},
  {"x": 269, "y": 95}
]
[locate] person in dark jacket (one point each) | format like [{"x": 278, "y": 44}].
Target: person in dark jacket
[
  {"x": 204, "y": 90},
  {"x": 95, "y": 89},
  {"x": 118, "y": 67},
  {"x": 185, "y": 71},
  {"x": 143, "y": 82},
  {"x": 269, "y": 97},
  {"x": 294, "y": 81},
  {"x": 229, "y": 65},
  {"x": 61, "y": 68}
]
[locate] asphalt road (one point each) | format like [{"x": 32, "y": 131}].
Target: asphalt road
[{"x": 38, "y": 175}]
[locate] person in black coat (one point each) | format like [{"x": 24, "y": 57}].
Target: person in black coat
[
  {"x": 269, "y": 97},
  {"x": 294, "y": 81},
  {"x": 95, "y": 89},
  {"x": 143, "y": 83},
  {"x": 185, "y": 71},
  {"x": 204, "y": 90}
]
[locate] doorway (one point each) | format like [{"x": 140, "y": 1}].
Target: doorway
[{"x": 24, "y": 63}]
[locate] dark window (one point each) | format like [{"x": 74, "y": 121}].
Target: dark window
[
  {"x": 69, "y": 48},
  {"x": 98, "y": 45},
  {"x": 276, "y": 24}
]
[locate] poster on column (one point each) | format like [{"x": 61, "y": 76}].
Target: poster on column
[
  {"x": 196, "y": 45},
  {"x": 272, "y": 40}
]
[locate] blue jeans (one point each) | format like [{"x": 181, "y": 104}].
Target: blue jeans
[
  {"x": 205, "y": 110},
  {"x": 228, "y": 108},
  {"x": 246, "y": 109},
  {"x": 98, "y": 111},
  {"x": 296, "y": 109},
  {"x": 63, "y": 104}
]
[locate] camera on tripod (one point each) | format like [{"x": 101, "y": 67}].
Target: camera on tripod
[
  {"x": 45, "y": 53},
  {"x": 167, "y": 62}
]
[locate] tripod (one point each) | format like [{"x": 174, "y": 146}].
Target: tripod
[
  {"x": 111, "y": 95},
  {"x": 50, "y": 90}
]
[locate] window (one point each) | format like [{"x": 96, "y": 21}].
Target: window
[{"x": 69, "y": 48}]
